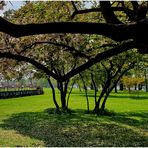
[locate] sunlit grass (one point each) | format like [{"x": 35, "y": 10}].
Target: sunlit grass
[{"x": 25, "y": 122}]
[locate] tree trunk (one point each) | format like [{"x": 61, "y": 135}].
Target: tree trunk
[
  {"x": 92, "y": 86},
  {"x": 121, "y": 86},
  {"x": 53, "y": 94},
  {"x": 63, "y": 86},
  {"x": 104, "y": 90},
  {"x": 79, "y": 87},
  {"x": 96, "y": 109},
  {"x": 62, "y": 95},
  {"x": 87, "y": 100},
  {"x": 95, "y": 87},
  {"x": 85, "y": 88},
  {"x": 135, "y": 86},
  {"x": 63, "y": 100},
  {"x": 102, "y": 109},
  {"x": 129, "y": 89},
  {"x": 70, "y": 93},
  {"x": 146, "y": 87},
  {"x": 116, "y": 91},
  {"x": 146, "y": 81},
  {"x": 139, "y": 86}
]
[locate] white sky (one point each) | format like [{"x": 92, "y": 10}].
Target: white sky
[{"x": 11, "y": 5}]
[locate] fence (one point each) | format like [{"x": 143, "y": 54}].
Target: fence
[{"x": 20, "y": 93}]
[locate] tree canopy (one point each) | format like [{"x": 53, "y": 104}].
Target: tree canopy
[{"x": 135, "y": 28}]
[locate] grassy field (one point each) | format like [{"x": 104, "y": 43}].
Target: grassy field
[{"x": 25, "y": 122}]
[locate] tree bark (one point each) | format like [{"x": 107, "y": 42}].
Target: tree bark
[
  {"x": 117, "y": 32},
  {"x": 116, "y": 91},
  {"x": 108, "y": 13},
  {"x": 86, "y": 95},
  {"x": 102, "y": 109},
  {"x": 96, "y": 109},
  {"x": 95, "y": 87},
  {"x": 53, "y": 94},
  {"x": 70, "y": 93},
  {"x": 63, "y": 86},
  {"x": 146, "y": 81},
  {"x": 121, "y": 86}
]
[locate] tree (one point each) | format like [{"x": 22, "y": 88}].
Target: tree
[
  {"x": 108, "y": 30},
  {"x": 112, "y": 71},
  {"x": 142, "y": 70},
  {"x": 132, "y": 82},
  {"x": 127, "y": 35},
  {"x": 44, "y": 52}
]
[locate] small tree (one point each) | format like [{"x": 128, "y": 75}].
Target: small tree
[{"x": 112, "y": 72}]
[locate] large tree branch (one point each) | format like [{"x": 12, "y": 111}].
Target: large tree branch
[
  {"x": 116, "y": 32},
  {"x": 38, "y": 65},
  {"x": 135, "y": 5},
  {"x": 108, "y": 13},
  {"x": 141, "y": 12},
  {"x": 101, "y": 56},
  {"x": 130, "y": 13}
]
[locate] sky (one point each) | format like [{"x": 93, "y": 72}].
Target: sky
[
  {"x": 11, "y": 5},
  {"x": 16, "y": 4}
]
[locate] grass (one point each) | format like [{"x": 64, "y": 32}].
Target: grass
[{"x": 25, "y": 122}]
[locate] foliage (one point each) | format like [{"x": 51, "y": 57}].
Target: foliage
[{"x": 131, "y": 81}]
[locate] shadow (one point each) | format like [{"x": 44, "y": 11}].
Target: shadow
[
  {"x": 138, "y": 96},
  {"x": 136, "y": 120},
  {"x": 79, "y": 129},
  {"x": 120, "y": 95},
  {"x": 127, "y": 96},
  {"x": 130, "y": 96},
  {"x": 133, "y": 95},
  {"x": 89, "y": 95}
]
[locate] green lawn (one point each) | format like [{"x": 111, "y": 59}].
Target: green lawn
[{"x": 25, "y": 122}]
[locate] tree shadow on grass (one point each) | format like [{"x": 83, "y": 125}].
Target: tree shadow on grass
[
  {"x": 130, "y": 96},
  {"x": 136, "y": 120},
  {"x": 77, "y": 129}
]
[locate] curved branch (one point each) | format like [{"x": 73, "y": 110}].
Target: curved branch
[
  {"x": 101, "y": 56},
  {"x": 38, "y": 65},
  {"x": 71, "y": 49}
]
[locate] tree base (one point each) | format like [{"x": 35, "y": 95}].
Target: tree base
[
  {"x": 104, "y": 112},
  {"x": 58, "y": 111}
]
